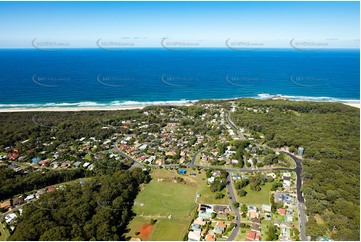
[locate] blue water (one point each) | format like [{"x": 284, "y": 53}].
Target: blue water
[{"x": 96, "y": 77}]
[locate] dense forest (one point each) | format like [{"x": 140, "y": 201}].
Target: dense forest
[
  {"x": 99, "y": 209},
  {"x": 13, "y": 183},
  {"x": 65, "y": 126},
  {"x": 330, "y": 135}
]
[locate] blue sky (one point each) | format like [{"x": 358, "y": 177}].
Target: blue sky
[{"x": 272, "y": 24}]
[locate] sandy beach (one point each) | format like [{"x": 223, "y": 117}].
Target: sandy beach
[
  {"x": 109, "y": 108},
  {"x": 13, "y": 110},
  {"x": 77, "y": 109},
  {"x": 356, "y": 105}
]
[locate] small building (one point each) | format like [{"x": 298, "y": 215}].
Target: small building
[{"x": 300, "y": 151}]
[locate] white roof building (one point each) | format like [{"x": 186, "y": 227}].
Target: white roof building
[{"x": 10, "y": 217}]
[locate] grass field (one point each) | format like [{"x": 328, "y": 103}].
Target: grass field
[
  {"x": 161, "y": 198},
  {"x": 4, "y": 234},
  {"x": 256, "y": 198}
]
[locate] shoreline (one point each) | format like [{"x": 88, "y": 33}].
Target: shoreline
[
  {"x": 80, "y": 109},
  {"x": 130, "y": 107},
  {"x": 355, "y": 105}
]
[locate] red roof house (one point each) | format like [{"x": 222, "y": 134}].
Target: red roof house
[
  {"x": 281, "y": 211},
  {"x": 251, "y": 236}
]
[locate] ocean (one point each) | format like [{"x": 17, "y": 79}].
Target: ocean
[{"x": 33, "y": 78}]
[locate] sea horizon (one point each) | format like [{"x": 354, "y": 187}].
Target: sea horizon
[{"x": 68, "y": 78}]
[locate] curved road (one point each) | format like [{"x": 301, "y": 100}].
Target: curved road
[{"x": 297, "y": 170}]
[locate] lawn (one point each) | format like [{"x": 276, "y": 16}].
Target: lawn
[
  {"x": 242, "y": 234},
  {"x": 172, "y": 204},
  {"x": 206, "y": 195},
  {"x": 4, "y": 233},
  {"x": 256, "y": 198},
  {"x": 265, "y": 224}
]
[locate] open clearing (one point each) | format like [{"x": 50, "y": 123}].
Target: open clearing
[
  {"x": 256, "y": 198},
  {"x": 172, "y": 204}
]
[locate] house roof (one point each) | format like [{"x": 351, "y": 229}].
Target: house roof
[
  {"x": 222, "y": 224},
  {"x": 255, "y": 220},
  {"x": 281, "y": 211},
  {"x": 210, "y": 237},
  {"x": 251, "y": 235},
  {"x": 256, "y": 227}
]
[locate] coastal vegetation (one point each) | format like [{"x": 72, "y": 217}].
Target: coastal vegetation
[
  {"x": 330, "y": 136},
  {"x": 328, "y": 132},
  {"x": 99, "y": 209}
]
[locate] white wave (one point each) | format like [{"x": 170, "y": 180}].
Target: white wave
[
  {"x": 307, "y": 98},
  {"x": 93, "y": 104},
  {"x": 262, "y": 96}
]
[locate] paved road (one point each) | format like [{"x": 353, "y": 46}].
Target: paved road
[
  {"x": 301, "y": 200},
  {"x": 135, "y": 162},
  {"x": 298, "y": 171},
  {"x": 234, "y": 126},
  {"x": 236, "y": 210}
]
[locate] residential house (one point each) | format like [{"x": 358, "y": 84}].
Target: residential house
[
  {"x": 256, "y": 228},
  {"x": 10, "y": 217},
  {"x": 210, "y": 237},
  {"x": 30, "y": 197},
  {"x": 251, "y": 236},
  {"x": 221, "y": 208},
  {"x": 199, "y": 221},
  {"x": 194, "y": 236},
  {"x": 281, "y": 211},
  {"x": 18, "y": 201},
  {"x": 255, "y": 221},
  {"x": 266, "y": 208},
  {"x": 236, "y": 177}
]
